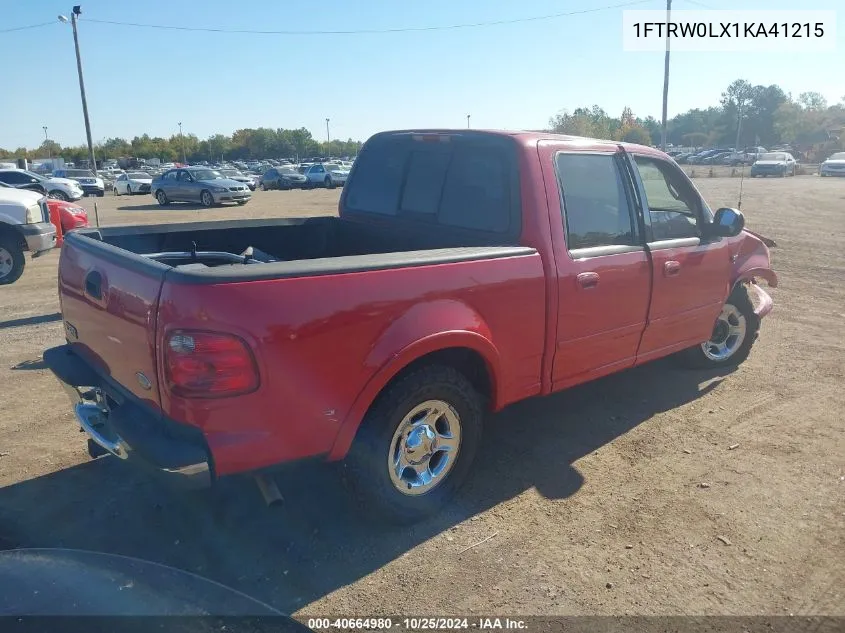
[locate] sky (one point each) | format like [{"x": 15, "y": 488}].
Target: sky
[{"x": 509, "y": 76}]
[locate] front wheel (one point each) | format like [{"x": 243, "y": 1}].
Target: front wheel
[
  {"x": 161, "y": 198},
  {"x": 416, "y": 444},
  {"x": 58, "y": 194},
  {"x": 329, "y": 182},
  {"x": 207, "y": 199},
  {"x": 735, "y": 331},
  {"x": 12, "y": 259}
]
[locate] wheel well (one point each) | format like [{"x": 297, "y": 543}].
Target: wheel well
[
  {"x": 7, "y": 230},
  {"x": 467, "y": 361}
]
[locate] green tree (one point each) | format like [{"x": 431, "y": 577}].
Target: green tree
[
  {"x": 637, "y": 134},
  {"x": 812, "y": 101},
  {"x": 48, "y": 148}
]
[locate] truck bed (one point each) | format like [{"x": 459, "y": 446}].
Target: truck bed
[{"x": 214, "y": 252}]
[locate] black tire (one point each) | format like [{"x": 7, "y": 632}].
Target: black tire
[
  {"x": 366, "y": 463},
  {"x": 329, "y": 182},
  {"x": 161, "y": 198},
  {"x": 206, "y": 199},
  {"x": 695, "y": 358},
  {"x": 58, "y": 194},
  {"x": 242, "y": 202},
  {"x": 10, "y": 249},
  {"x": 102, "y": 193},
  {"x": 114, "y": 191}
]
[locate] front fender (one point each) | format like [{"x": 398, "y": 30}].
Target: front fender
[
  {"x": 421, "y": 330},
  {"x": 751, "y": 259}
]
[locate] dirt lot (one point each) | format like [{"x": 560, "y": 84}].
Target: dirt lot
[{"x": 593, "y": 497}]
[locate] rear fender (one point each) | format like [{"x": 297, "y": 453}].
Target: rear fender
[{"x": 423, "y": 329}]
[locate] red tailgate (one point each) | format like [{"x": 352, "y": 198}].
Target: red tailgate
[{"x": 109, "y": 300}]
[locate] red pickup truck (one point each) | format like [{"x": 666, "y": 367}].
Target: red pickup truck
[{"x": 467, "y": 270}]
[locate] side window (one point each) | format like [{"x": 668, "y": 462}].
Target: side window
[
  {"x": 184, "y": 176},
  {"x": 596, "y": 207},
  {"x": 673, "y": 206},
  {"x": 170, "y": 176}
]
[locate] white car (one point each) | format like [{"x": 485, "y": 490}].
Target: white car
[
  {"x": 131, "y": 183},
  {"x": 327, "y": 175},
  {"x": 59, "y": 188},
  {"x": 833, "y": 166},
  {"x": 24, "y": 226}
]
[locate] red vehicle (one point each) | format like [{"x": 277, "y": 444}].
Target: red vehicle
[
  {"x": 66, "y": 216},
  {"x": 467, "y": 270}
]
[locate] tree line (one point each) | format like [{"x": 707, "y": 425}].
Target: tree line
[
  {"x": 246, "y": 143},
  {"x": 747, "y": 115}
]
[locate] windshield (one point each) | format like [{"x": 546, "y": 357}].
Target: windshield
[
  {"x": 231, "y": 173},
  {"x": 206, "y": 174},
  {"x": 138, "y": 175},
  {"x": 287, "y": 170},
  {"x": 79, "y": 173},
  {"x": 772, "y": 156}
]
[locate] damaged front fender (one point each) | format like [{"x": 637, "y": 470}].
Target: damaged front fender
[{"x": 750, "y": 259}]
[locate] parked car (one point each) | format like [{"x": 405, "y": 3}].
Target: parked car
[
  {"x": 24, "y": 226},
  {"x": 774, "y": 164},
  {"x": 60, "y": 188},
  {"x": 713, "y": 159},
  {"x": 699, "y": 158},
  {"x": 233, "y": 174},
  {"x": 131, "y": 183},
  {"x": 283, "y": 178},
  {"x": 326, "y": 175},
  {"x": 453, "y": 282},
  {"x": 90, "y": 184},
  {"x": 198, "y": 184},
  {"x": 833, "y": 166},
  {"x": 66, "y": 216}
]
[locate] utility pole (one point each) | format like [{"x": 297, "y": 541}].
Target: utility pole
[
  {"x": 666, "y": 78},
  {"x": 77, "y": 10},
  {"x": 49, "y": 151},
  {"x": 182, "y": 143},
  {"x": 738, "y": 126},
  {"x": 328, "y": 136},
  {"x": 467, "y": 121}
]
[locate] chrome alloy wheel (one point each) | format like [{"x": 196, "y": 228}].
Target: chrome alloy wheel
[
  {"x": 424, "y": 447},
  {"x": 728, "y": 334}
]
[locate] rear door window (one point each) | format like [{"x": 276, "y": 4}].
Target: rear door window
[
  {"x": 476, "y": 193},
  {"x": 595, "y": 202}
]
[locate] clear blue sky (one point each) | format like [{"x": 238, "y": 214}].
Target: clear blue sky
[{"x": 509, "y": 76}]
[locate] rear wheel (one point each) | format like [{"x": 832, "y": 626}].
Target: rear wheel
[
  {"x": 734, "y": 332},
  {"x": 161, "y": 198},
  {"x": 206, "y": 198},
  {"x": 416, "y": 444},
  {"x": 12, "y": 259}
]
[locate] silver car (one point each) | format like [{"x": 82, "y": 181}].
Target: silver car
[
  {"x": 198, "y": 184},
  {"x": 326, "y": 175}
]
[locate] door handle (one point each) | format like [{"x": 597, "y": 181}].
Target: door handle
[
  {"x": 94, "y": 284},
  {"x": 588, "y": 280},
  {"x": 671, "y": 268}
]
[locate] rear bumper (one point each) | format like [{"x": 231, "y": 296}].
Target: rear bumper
[
  {"x": 121, "y": 425},
  {"x": 39, "y": 237}
]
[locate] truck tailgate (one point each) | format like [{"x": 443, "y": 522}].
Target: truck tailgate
[{"x": 109, "y": 300}]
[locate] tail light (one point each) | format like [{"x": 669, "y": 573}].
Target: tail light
[{"x": 208, "y": 365}]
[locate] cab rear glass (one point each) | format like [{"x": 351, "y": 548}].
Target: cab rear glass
[{"x": 461, "y": 180}]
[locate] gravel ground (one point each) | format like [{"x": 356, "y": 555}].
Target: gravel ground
[{"x": 655, "y": 491}]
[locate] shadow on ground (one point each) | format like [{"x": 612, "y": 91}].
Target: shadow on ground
[
  {"x": 31, "y": 320},
  {"x": 316, "y": 542},
  {"x": 174, "y": 206}
]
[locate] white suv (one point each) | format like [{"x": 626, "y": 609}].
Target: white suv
[
  {"x": 24, "y": 226},
  {"x": 60, "y": 188}
]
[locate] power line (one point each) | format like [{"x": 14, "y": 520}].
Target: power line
[
  {"x": 700, "y": 4},
  {"x": 30, "y": 26},
  {"x": 371, "y": 31}
]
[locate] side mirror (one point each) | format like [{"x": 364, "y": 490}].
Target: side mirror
[{"x": 727, "y": 222}]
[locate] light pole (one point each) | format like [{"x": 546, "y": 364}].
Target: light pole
[
  {"x": 467, "y": 121},
  {"x": 328, "y": 135},
  {"x": 49, "y": 152},
  {"x": 738, "y": 127},
  {"x": 665, "y": 80},
  {"x": 182, "y": 143},
  {"x": 77, "y": 9}
]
